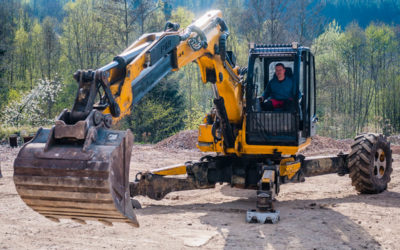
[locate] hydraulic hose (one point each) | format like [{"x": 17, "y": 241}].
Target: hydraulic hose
[
  {"x": 199, "y": 32},
  {"x": 173, "y": 26},
  {"x": 222, "y": 38}
]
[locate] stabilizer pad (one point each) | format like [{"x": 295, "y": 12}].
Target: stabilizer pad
[{"x": 254, "y": 216}]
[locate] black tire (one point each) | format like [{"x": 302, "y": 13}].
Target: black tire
[
  {"x": 370, "y": 163},
  {"x": 136, "y": 204}
]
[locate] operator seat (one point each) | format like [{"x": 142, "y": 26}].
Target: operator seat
[{"x": 289, "y": 72}]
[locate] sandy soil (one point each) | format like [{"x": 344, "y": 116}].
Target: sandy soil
[{"x": 325, "y": 212}]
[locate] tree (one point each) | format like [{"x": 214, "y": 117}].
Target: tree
[
  {"x": 84, "y": 40},
  {"x": 23, "y": 55},
  {"x": 357, "y": 73},
  {"x": 306, "y": 21},
  {"x": 121, "y": 23},
  {"x": 330, "y": 79},
  {"x": 8, "y": 13},
  {"x": 35, "y": 107},
  {"x": 158, "y": 114},
  {"x": 47, "y": 8},
  {"x": 143, "y": 9},
  {"x": 51, "y": 47},
  {"x": 381, "y": 46}
]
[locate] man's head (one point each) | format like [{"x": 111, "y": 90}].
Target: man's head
[{"x": 280, "y": 71}]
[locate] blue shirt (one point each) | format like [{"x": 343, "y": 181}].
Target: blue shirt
[{"x": 280, "y": 90}]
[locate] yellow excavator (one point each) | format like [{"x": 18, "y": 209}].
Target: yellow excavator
[{"x": 79, "y": 169}]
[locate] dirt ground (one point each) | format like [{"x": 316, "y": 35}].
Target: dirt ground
[{"x": 325, "y": 212}]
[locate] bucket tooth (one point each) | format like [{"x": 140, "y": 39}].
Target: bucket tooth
[
  {"x": 73, "y": 179},
  {"x": 53, "y": 219},
  {"x": 131, "y": 223},
  {"x": 106, "y": 222},
  {"x": 80, "y": 221}
]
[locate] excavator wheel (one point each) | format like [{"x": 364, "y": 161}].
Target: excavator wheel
[{"x": 370, "y": 163}]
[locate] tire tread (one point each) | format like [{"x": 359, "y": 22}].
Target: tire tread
[{"x": 359, "y": 163}]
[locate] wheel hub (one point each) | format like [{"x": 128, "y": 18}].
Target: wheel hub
[{"x": 379, "y": 163}]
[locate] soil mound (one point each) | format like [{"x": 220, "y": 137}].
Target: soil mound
[
  {"x": 395, "y": 149},
  {"x": 328, "y": 145},
  {"x": 394, "y": 139},
  {"x": 186, "y": 139}
]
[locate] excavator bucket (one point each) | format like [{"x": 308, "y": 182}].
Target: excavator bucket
[{"x": 81, "y": 177}]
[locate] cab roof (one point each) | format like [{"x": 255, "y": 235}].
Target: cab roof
[{"x": 276, "y": 50}]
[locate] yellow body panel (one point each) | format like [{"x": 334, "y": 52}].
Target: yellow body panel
[
  {"x": 289, "y": 167},
  {"x": 268, "y": 149},
  {"x": 205, "y": 134},
  {"x": 171, "y": 170},
  {"x": 205, "y": 140},
  {"x": 242, "y": 148}
]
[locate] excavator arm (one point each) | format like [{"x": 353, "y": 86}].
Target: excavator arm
[
  {"x": 141, "y": 66},
  {"x": 79, "y": 169}
]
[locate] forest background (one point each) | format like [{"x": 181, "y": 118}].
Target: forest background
[{"x": 43, "y": 42}]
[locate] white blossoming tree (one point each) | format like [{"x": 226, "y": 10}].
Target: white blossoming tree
[{"x": 34, "y": 108}]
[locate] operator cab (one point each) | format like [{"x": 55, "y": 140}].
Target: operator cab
[{"x": 280, "y": 127}]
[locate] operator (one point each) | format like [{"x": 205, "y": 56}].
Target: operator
[{"x": 279, "y": 92}]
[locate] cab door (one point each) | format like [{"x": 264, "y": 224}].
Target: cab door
[
  {"x": 307, "y": 88},
  {"x": 313, "y": 118}
]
